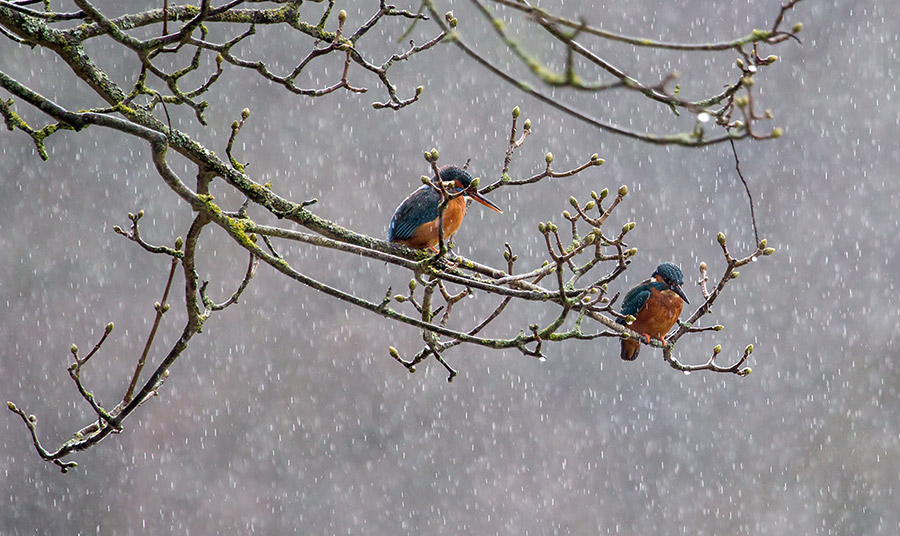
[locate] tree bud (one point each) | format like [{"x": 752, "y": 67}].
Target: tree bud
[
  {"x": 721, "y": 238},
  {"x": 549, "y": 158},
  {"x": 515, "y": 112}
]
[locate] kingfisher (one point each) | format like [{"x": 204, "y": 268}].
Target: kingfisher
[
  {"x": 415, "y": 222},
  {"x": 655, "y": 305}
]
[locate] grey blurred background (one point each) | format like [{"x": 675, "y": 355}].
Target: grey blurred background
[{"x": 287, "y": 416}]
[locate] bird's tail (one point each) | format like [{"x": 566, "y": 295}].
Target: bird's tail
[{"x": 630, "y": 349}]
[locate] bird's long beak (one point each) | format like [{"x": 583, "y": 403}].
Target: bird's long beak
[
  {"x": 478, "y": 197},
  {"x": 678, "y": 290}
]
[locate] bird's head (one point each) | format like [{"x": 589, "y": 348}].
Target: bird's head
[
  {"x": 460, "y": 180},
  {"x": 670, "y": 275}
]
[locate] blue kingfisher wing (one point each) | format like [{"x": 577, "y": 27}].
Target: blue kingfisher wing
[
  {"x": 635, "y": 300},
  {"x": 420, "y": 207}
]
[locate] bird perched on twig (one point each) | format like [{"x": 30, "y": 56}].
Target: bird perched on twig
[
  {"x": 655, "y": 305},
  {"x": 415, "y": 222}
]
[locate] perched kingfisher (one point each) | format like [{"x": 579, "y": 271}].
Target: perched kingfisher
[
  {"x": 415, "y": 222},
  {"x": 655, "y": 305}
]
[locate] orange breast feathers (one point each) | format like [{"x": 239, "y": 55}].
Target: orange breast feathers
[
  {"x": 659, "y": 314},
  {"x": 426, "y": 235}
]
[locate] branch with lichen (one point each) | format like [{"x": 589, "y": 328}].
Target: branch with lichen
[
  {"x": 569, "y": 32},
  {"x": 569, "y": 277}
]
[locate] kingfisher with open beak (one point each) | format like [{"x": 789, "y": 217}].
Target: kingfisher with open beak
[{"x": 415, "y": 222}]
